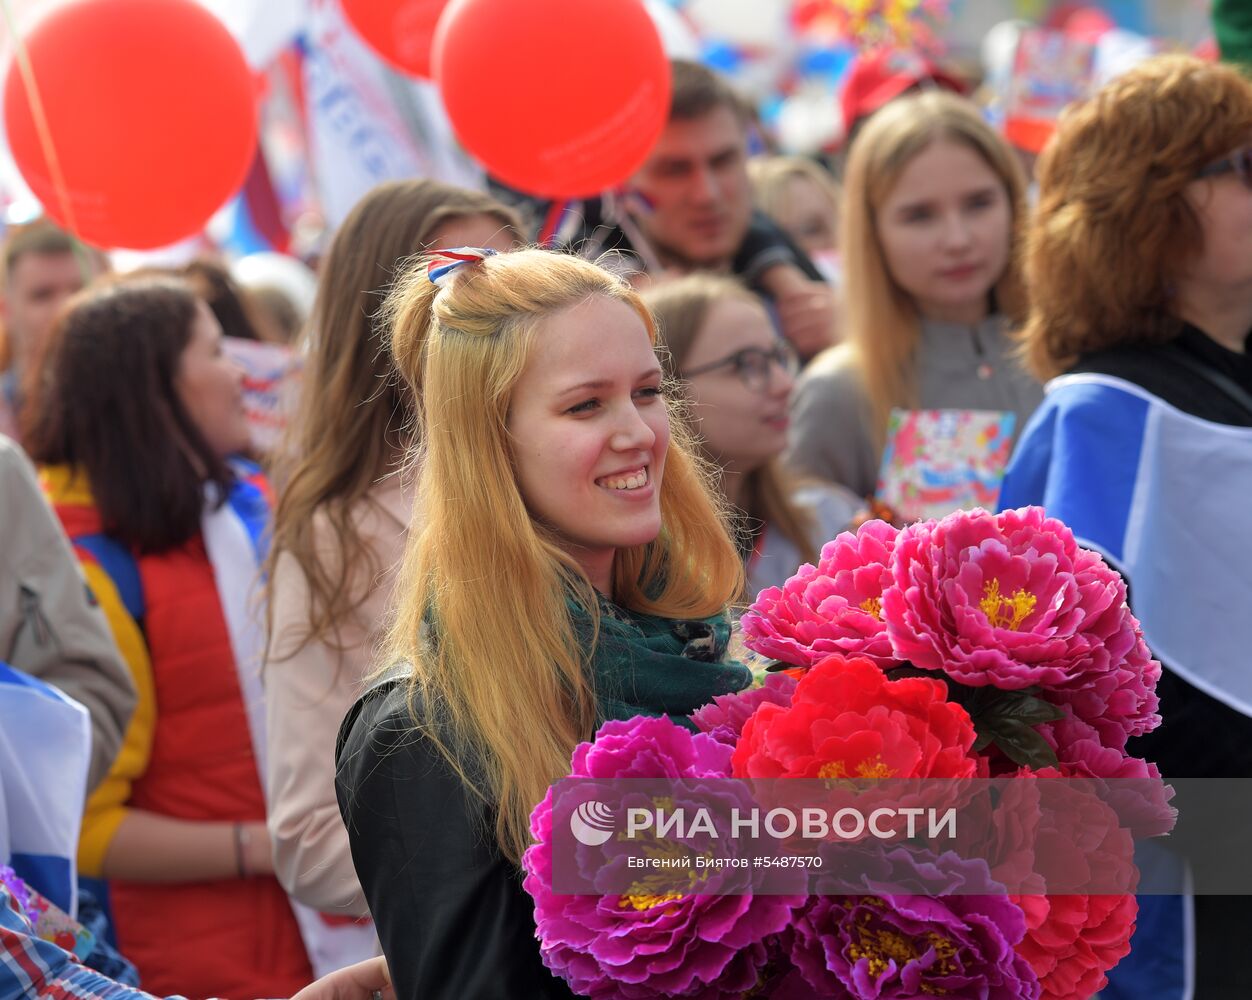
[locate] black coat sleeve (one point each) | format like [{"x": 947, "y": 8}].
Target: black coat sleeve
[{"x": 450, "y": 911}]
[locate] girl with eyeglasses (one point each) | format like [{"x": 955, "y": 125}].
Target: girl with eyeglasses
[
  {"x": 1140, "y": 266},
  {"x": 737, "y": 376},
  {"x": 933, "y": 203}
]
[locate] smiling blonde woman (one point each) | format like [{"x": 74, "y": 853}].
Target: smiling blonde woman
[{"x": 571, "y": 565}]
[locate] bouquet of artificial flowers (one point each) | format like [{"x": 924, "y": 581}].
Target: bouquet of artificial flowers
[{"x": 975, "y": 646}]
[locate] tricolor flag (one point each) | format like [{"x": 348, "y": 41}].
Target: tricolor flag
[{"x": 45, "y": 749}]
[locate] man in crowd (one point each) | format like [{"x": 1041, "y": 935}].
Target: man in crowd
[
  {"x": 689, "y": 208},
  {"x": 43, "y": 266}
]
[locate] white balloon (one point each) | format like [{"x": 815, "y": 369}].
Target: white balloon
[
  {"x": 278, "y": 270},
  {"x": 677, "y": 38},
  {"x": 1118, "y": 51},
  {"x": 998, "y": 51},
  {"x": 758, "y": 24},
  {"x": 809, "y": 121}
]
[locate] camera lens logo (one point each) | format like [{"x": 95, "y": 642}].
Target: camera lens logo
[{"x": 592, "y": 823}]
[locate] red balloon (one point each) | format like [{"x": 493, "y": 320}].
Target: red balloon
[
  {"x": 558, "y": 98},
  {"x": 400, "y": 31},
  {"x": 152, "y": 114}
]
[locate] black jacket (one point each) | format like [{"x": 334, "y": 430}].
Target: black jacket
[{"x": 418, "y": 834}]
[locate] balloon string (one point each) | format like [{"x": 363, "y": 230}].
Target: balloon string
[{"x": 24, "y": 67}]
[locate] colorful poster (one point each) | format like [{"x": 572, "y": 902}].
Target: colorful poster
[
  {"x": 938, "y": 461},
  {"x": 271, "y": 382},
  {"x": 1050, "y": 70}
]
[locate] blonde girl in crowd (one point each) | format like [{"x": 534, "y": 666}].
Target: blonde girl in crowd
[
  {"x": 737, "y": 376},
  {"x": 803, "y": 198},
  {"x": 571, "y": 565},
  {"x": 342, "y": 517},
  {"x": 932, "y": 213}
]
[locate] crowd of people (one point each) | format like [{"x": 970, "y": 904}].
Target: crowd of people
[{"x": 525, "y": 489}]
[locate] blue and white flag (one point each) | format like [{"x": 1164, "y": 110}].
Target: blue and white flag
[
  {"x": 1164, "y": 496},
  {"x": 45, "y": 750}
]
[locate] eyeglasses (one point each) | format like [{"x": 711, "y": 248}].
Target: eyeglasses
[
  {"x": 1239, "y": 162},
  {"x": 754, "y": 366}
]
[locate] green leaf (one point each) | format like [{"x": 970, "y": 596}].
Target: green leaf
[
  {"x": 1023, "y": 745},
  {"x": 1023, "y": 707},
  {"x": 1007, "y": 719}
]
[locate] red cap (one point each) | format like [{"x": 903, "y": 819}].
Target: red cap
[{"x": 882, "y": 75}]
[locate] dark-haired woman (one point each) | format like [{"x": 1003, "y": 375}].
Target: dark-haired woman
[{"x": 134, "y": 422}]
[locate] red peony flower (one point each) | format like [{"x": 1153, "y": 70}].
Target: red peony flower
[
  {"x": 1072, "y": 941},
  {"x": 847, "y": 720}
]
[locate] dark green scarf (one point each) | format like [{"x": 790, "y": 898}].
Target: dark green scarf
[{"x": 644, "y": 665}]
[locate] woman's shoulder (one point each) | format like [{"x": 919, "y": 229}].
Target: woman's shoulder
[
  {"x": 835, "y": 364},
  {"x": 831, "y": 385},
  {"x": 379, "y": 718}
]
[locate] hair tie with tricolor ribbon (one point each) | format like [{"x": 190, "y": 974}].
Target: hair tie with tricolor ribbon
[{"x": 444, "y": 262}]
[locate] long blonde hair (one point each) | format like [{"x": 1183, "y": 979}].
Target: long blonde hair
[
  {"x": 355, "y": 417},
  {"x": 499, "y": 682},
  {"x": 882, "y": 320},
  {"x": 771, "y": 184},
  {"x": 681, "y": 309}
]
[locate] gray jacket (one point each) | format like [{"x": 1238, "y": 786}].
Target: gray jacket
[
  {"x": 50, "y": 626},
  {"x": 958, "y": 367}
]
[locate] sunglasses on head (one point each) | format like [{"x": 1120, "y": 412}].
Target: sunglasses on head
[{"x": 1239, "y": 163}]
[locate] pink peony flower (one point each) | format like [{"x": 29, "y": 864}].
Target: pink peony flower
[
  {"x": 727, "y": 714},
  {"x": 1081, "y": 753},
  {"x": 1136, "y": 790},
  {"x": 833, "y": 607},
  {"x": 1011, "y": 600},
  {"x": 654, "y": 944},
  {"x": 1118, "y": 704}
]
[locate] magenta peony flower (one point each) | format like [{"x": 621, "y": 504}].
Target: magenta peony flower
[
  {"x": 1118, "y": 704},
  {"x": 650, "y": 945},
  {"x": 898, "y": 947},
  {"x": 833, "y": 607},
  {"x": 727, "y": 714},
  {"x": 1011, "y": 600}
]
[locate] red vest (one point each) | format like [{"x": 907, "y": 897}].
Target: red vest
[{"x": 235, "y": 938}]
